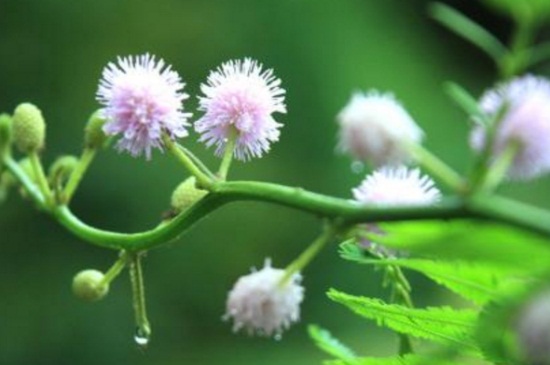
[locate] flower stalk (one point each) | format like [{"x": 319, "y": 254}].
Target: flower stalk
[{"x": 76, "y": 176}]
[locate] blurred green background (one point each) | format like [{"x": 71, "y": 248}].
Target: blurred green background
[{"x": 52, "y": 53}]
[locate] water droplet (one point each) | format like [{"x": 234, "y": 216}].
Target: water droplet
[
  {"x": 141, "y": 338},
  {"x": 357, "y": 167},
  {"x": 278, "y": 337}
]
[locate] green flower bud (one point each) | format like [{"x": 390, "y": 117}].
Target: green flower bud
[
  {"x": 88, "y": 285},
  {"x": 5, "y": 130},
  {"x": 29, "y": 128},
  {"x": 94, "y": 137},
  {"x": 62, "y": 168},
  {"x": 185, "y": 195}
]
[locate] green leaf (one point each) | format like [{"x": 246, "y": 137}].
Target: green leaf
[
  {"x": 478, "y": 283},
  {"x": 441, "y": 324},
  {"x": 469, "y": 30},
  {"x": 480, "y": 242},
  {"x": 411, "y": 359},
  {"x": 326, "y": 342},
  {"x": 397, "y": 360}
]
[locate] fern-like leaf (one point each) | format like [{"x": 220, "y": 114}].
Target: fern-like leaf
[
  {"x": 475, "y": 282},
  {"x": 411, "y": 359},
  {"x": 326, "y": 342},
  {"x": 441, "y": 324}
]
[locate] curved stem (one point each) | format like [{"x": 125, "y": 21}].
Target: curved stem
[
  {"x": 85, "y": 160},
  {"x": 341, "y": 211},
  {"x": 30, "y": 187}
]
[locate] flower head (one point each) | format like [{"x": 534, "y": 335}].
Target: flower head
[
  {"x": 261, "y": 304},
  {"x": 142, "y": 99},
  {"x": 397, "y": 186},
  {"x": 388, "y": 187},
  {"x": 375, "y": 127},
  {"x": 525, "y": 102},
  {"x": 239, "y": 97}
]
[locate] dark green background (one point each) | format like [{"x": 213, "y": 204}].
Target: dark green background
[{"x": 52, "y": 53}]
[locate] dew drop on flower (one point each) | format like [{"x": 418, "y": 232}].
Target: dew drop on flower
[{"x": 357, "y": 167}]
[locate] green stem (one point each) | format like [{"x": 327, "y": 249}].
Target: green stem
[
  {"x": 28, "y": 185},
  {"x": 76, "y": 176},
  {"x": 482, "y": 165},
  {"x": 308, "y": 255},
  {"x": 497, "y": 171},
  {"x": 197, "y": 162},
  {"x": 401, "y": 295},
  {"x": 116, "y": 269},
  {"x": 437, "y": 168},
  {"x": 143, "y": 330},
  {"x": 228, "y": 154},
  {"x": 342, "y": 211},
  {"x": 203, "y": 180},
  {"x": 41, "y": 178},
  {"x": 515, "y": 61}
]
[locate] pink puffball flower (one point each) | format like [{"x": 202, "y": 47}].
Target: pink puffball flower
[
  {"x": 262, "y": 305},
  {"x": 393, "y": 187},
  {"x": 240, "y": 97},
  {"x": 397, "y": 186},
  {"x": 525, "y": 103},
  {"x": 375, "y": 127},
  {"x": 142, "y": 99}
]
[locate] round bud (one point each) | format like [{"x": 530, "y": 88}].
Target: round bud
[
  {"x": 186, "y": 194},
  {"x": 29, "y": 128},
  {"x": 62, "y": 168},
  {"x": 88, "y": 285},
  {"x": 94, "y": 137},
  {"x": 5, "y": 130}
]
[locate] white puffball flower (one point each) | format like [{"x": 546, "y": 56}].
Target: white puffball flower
[
  {"x": 375, "y": 127},
  {"x": 397, "y": 186},
  {"x": 260, "y": 304},
  {"x": 526, "y": 120}
]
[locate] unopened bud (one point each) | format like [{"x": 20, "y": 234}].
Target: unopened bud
[
  {"x": 186, "y": 194},
  {"x": 88, "y": 285},
  {"x": 62, "y": 168},
  {"x": 29, "y": 128},
  {"x": 94, "y": 137}
]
